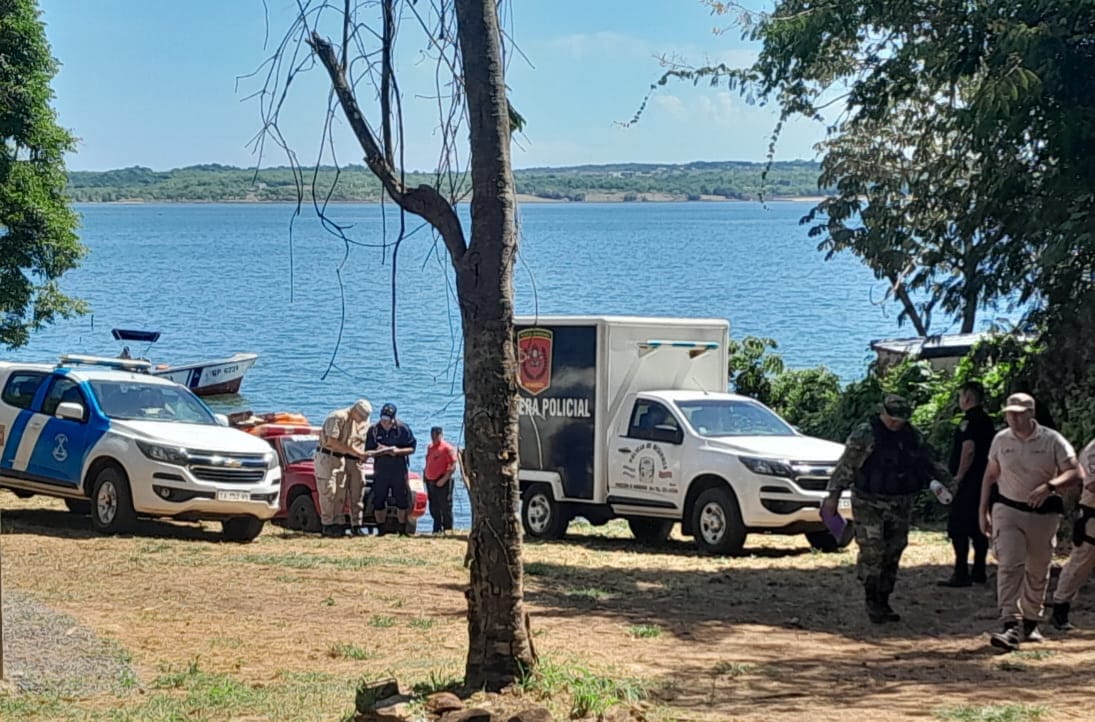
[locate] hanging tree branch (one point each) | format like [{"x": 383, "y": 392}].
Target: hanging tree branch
[{"x": 424, "y": 201}]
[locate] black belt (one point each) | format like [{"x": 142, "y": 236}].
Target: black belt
[
  {"x": 339, "y": 454},
  {"x": 1052, "y": 505}
]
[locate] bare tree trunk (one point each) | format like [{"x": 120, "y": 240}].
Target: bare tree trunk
[
  {"x": 902, "y": 295},
  {"x": 969, "y": 315},
  {"x": 972, "y": 289},
  {"x": 499, "y": 643}
]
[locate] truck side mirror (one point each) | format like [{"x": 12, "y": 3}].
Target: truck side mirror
[
  {"x": 70, "y": 410},
  {"x": 667, "y": 435}
]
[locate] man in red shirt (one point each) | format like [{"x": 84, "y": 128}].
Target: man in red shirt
[{"x": 440, "y": 465}]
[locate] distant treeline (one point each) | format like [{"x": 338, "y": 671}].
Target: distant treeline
[{"x": 626, "y": 182}]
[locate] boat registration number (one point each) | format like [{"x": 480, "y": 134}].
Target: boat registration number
[
  {"x": 845, "y": 504},
  {"x": 233, "y": 496}
]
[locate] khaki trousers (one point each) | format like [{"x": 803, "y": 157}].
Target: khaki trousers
[
  {"x": 1023, "y": 544},
  {"x": 340, "y": 488},
  {"x": 1078, "y": 569}
]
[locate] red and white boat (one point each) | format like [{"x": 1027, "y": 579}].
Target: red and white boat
[{"x": 204, "y": 378}]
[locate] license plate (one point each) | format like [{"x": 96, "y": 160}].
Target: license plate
[
  {"x": 233, "y": 496},
  {"x": 845, "y": 504}
]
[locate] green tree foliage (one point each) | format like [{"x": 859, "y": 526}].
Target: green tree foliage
[
  {"x": 805, "y": 397},
  {"x": 38, "y": 241},
  {"x": 212, "y": 182},
  {"x": 988, "y": 105},
  {"x": 752, "y": 367}
]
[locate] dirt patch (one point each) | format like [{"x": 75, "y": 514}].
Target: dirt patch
[{"x": 778, "y": 634}]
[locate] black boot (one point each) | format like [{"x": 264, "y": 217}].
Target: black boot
[
  {"x": 978, "y": 576},
  {"x": 961, "y": 575},
  {"x": 1030, "y": 631},
  {"x": 887, "y": 610},
  {"x": 956, "y": 580},
  {"x": 1009, "y": 639},
  {"x": 1059, "y": 618},
  {"x": 875, "y": 612}
]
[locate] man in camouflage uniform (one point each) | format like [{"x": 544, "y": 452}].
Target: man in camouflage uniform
[{"x": 886, "y": 463}]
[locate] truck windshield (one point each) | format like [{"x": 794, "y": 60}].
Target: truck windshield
[
  {"x": 299, "y": 448},
  {"x": 133, "y": 401},
  {"x": 733, "y": 417}
]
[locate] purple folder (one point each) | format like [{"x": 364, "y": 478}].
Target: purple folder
[{"x": 836, "y": 524}]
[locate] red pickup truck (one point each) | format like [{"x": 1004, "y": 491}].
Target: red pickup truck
[{"x": 298, "y": 505}]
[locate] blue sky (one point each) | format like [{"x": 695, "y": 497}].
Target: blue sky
[{"x": 154, "y": 84}]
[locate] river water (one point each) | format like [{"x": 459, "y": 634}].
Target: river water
[{"x": 221, "y": 278}]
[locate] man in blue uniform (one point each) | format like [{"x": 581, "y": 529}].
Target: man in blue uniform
[{"x": 389, "y": 442}]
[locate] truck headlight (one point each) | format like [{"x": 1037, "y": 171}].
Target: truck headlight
[
  {"x": 768, "y": 467},
  {"x": 271, "y": 459},
  {"x": 166, "y": 454}
]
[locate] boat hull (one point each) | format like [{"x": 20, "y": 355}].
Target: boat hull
[{"x": 211, "y": 378}]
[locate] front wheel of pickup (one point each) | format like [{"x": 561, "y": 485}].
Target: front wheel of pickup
[
  {"x": 716, "y": 522},
  {"x": 303, "y": 516},
  {"x": 541, "y": 515},
  {"x": 241, "y": 528},
  {"x": 111, "y": 502},
  {"x": 825, "y": 542}
]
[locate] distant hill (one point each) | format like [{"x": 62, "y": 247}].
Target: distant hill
[{"x": 702, "y": 180}]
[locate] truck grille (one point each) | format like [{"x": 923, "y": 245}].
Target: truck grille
[
  {"x": 227, "y": 467},
  {"x": 228, "y": 476},
  {"x": 812, "y": 476}
]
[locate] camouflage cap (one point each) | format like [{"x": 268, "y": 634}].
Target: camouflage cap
[{"x": 897, "y": 407}]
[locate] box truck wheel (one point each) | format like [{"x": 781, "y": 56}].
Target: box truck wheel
[
  {"x": 541, "y": 515},
  {"x": 650, "y": 531},
  {"x": 716, "y": 522}
]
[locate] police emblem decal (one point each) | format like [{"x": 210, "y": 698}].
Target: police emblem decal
[
  {"x": 60, "y": 451},
  {"x": 534, "y": 359}
]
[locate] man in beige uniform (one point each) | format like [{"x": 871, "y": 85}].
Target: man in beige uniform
[
  {"x": 341, "y": 448},
  {"x": 1030, "y": 465},
  {"x": 1082, "y": 560}
]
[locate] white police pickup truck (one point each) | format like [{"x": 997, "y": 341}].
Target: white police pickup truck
[{"x": 118, "y": 443}]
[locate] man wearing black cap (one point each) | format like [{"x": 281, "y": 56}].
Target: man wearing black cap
[
  {"x": 389, "y": 443},
  {"x": 887, "y": 464}
]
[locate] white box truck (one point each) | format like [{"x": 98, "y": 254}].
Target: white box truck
[{"x": 630, "y": 417}]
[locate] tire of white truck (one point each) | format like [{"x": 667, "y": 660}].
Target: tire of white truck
[
  {"x": 825, "y": 542},
  {"x": 716, "y": 522},
  {"x": 650, "y": 531},
  {"x": 241, "y": 528},
  {"x": 541, "y": 515},
  {"x": 111, "y": 502}
]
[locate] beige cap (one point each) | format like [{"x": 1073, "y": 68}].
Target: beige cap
[
  {"x": 1019, "y": 403},
  {"x": 363, "y": 407}
]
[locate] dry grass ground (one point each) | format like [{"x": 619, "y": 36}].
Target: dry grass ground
[{"x": 282, "y": 629}]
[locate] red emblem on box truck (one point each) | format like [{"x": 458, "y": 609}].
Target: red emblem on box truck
[{"x": 534, "y": 359}]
